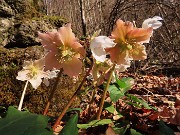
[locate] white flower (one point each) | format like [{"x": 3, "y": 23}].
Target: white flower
[
  {"x": 120, "y": 68},
  {"x": 51, "y": 74},
  {"x": 33, "y": 72},
  {"x": 152, "y": 22},
  {"x": 98, "y": 46}
]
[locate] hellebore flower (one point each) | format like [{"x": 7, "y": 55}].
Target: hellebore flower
[
  {"x": 128, "y": 42},
  {"x": 152, "y": 22},
  {"x": 98, "y": 45},
  {"x": 64, "y": 51},
  {"x": 33, "y": 72}
]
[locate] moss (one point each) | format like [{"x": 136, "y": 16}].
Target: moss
[
  {"x": 23, "y": 9},
  {"x": 57, "y": 21},
  {"x": 11, "y": 61}
]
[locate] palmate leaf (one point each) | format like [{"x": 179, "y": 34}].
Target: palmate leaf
[
  {"x": 124, "y": 84},
  {"x": 119, "y": 89},
  {"x": 23, "y": 123},
  {"x": 110, "y": 108},
  {"x": 115, "y": 93},
  {"x": 71, "y": 127},
  {"x": 95, "y": 123},
  {"x": 138, "y": 102}
]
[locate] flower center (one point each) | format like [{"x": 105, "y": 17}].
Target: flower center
[
  {"x": 65, "y": 54},
  {"x": 33, "y": 72}
]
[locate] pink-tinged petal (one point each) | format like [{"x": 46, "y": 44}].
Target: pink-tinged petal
[
  {"x": 117, "y": 55},
  {"x": 73, "y": 67},
  {"x": 79, "y": 48},
  {"x": 139, "y": 52},
  {"x": 35, "y": 82},
  {"x": 139, "y": 34},
  {"x": 51, "y": 61},
  {"x": 48, "y": 40},
  {"x": 39, "y": 63},
  {"x": 66, "y": 35},
  {"x": 22, "y": 75},
  {"x": 46, "y": 81},
  {"x": 26, "y": 64},
  {"x": 120, "y": 30}
]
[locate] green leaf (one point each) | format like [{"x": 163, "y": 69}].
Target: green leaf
[
  {"x": 95, "y": 123},
  {"x": 134, "y": 132},
  {"x": 110, "y": 108},
  {"x": 71, "y": 126},
  {"x": 121, "y": 128},
  {"x": 165, "y": 130},
  {"x": 74, "y": 109},
  {"x": 23, "y": 123},
  {"x": 124, "y": 84},
  {"x": 137, "y": 100},
  {"x": 115, "y": 93}
]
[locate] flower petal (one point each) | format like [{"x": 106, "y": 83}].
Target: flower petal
[
  {"x": 117, "y": 55},
  {"x": 35, "y": 82},
  {"x": 49, "y": 40},
  {"x": 152, "y": 22},
  {"x": 40, "y": 63},
  {"x": 99, "y": 54},
  {"x": 139, "y": 34},
  {"x": 98, "y": 46},
  {"x": 22, "y": 75},
  {"x": 51, "y": 61},
  {"x": 72, "y": 68},
  {"x": 139, "y": 52},
  {"x": 66, "y": 35},
  {"x": 120, "y": 30},
  {"x": 79, "y": 48}
]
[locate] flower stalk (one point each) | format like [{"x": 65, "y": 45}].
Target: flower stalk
[
  {"x": 104, "y": 94},
  {"x": 52, "y": 92},
  {"x": 22, "y": 96},
  {"x": 71, "y": 100}
]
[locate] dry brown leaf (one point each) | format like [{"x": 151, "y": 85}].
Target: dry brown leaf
[{"x": 110, "y": 131}]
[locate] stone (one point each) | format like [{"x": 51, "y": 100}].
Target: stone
[{"x": 21, "y": 20}]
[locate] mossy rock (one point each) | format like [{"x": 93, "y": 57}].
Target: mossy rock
[
  {"x": 11, "y": 61},
  {"x": 19, "y": 28},
  {"x": 26, "y": 8},
  {"x": 24, "y": 32},
  {"x": 5, "y": 10}
]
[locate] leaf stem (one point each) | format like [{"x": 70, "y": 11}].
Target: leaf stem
[
  {"x": 104, "y": 94},
  {"x": 22, "y": 96},
  {"x": 52, "y": 92},
  {"x": 71, "y": 100}
]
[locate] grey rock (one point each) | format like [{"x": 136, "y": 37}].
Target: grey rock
[{"x": 20, "y": 21}]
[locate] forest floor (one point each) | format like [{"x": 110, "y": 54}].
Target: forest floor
[{"x": 159, "y": 91}]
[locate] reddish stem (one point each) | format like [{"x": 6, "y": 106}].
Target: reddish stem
[
  {"x": 71, "y": 100},
  {"x": 52, "y": 92}
]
